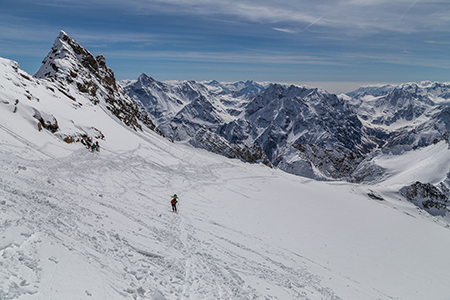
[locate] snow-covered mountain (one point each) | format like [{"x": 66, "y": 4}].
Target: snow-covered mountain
[
  {"x": 184, "y": 109},
  {"x": 163, "y": 100},
  {"x": 285, "y": 122},
  {"x": 406, "y": 115},
  {"x": 76, "y": 224},
  {"x": 288, "y": 122},
  {"x": 437, "y": 91}
]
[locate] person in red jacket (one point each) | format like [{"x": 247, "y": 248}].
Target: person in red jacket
[{"x": 174, "y": 203}]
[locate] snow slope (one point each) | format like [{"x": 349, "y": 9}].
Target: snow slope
[{"x": 82, "y": 225}]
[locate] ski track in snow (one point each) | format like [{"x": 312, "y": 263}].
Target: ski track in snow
[{"x": 75, "y": 206}]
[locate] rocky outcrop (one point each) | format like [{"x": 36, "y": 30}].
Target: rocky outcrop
[
  {"x": 434, "y": 200},
  {"x": 46, "y": 121}
]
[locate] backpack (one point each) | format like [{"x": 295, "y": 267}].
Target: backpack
[{"x": 174, "y": 201}]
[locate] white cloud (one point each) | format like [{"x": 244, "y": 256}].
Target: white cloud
[{"x": 284, "y": 30}]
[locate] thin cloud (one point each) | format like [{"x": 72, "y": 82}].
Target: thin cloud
[
  {"x": 284, "y": 30},
  {"x": 224, "y": 57},
  {"x": 437, "y": 42}
]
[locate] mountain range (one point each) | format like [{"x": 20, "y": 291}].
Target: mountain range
[{"x": 304, "y": 131}]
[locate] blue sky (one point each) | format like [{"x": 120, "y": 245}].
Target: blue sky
[{"x": 334, "y": 44}]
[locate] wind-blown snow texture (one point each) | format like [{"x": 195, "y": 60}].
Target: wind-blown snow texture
[{"x": 76, "y": 224}]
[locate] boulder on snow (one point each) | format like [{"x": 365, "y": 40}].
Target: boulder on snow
[{"x": 47, "y": 121}]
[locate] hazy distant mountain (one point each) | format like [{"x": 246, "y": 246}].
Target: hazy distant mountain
[
  {"x": 408, "y": 114},
  {"x": 248, "y": 87},
  {"x": 436, "y": 91}
]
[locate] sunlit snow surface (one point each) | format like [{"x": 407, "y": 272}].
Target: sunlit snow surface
[{"x": 82, "y": 225}]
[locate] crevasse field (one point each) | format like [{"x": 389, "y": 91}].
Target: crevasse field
[{"x": 81, "y": 225}]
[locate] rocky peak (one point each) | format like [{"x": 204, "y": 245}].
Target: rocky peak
[
  {"x": 66, "y": 57},
  {"x": 145, "y": 80},
  {"x": 69, "y": 61},
  {"x": 72, "y": 65}
]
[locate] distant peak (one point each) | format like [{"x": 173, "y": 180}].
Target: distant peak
[{"x": 145, "y": 78}]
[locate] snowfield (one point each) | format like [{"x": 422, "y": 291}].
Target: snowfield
[{"x": 76, "y": 224}]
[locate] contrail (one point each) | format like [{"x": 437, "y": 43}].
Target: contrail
[
  {"x": 412, "y": 4},
  {"x": 312, "y": 23},
  {"x": 409, "y": 7}
]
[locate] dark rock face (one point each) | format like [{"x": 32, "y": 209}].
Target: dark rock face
[
  {"x": 214, "y": 143},
  {"x": 333, "y": 163}
]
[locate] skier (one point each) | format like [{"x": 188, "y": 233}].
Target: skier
[
  {"x": 97, "y": 146},
  {"x": 174, "y": 203}
]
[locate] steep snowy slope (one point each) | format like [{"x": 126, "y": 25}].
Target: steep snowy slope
[{"x": 82, "y": 225}]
